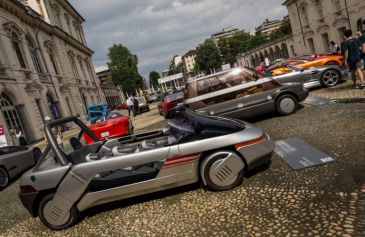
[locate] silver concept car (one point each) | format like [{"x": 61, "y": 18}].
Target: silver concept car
[
  {"x": 14, "y": 160},
  {"x": 215, "y": 151},
  {"x": 325, "y": 76}
]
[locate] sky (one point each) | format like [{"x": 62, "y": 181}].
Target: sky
[{"x": 156, "y": 30}]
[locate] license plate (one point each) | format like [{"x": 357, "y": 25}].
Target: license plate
[{"x": 104, "y": 134}]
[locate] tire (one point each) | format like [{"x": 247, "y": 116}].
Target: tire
[
  {"x": 208, "y": 171},
  {"x": 332, "y": 63},
  {"x": 70, "y": 220},
  {"x": 4, "y": 178},
  {"x": 286, "y": 104},
  {"x": 330, "y": 78},
  {"x": 36, "y": 155}
]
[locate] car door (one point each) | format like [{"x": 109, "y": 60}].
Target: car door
[{"x": 300, "y": 76}]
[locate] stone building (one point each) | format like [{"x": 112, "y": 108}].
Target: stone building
[
  {"x": 45, "y": 65},
  {"x": 113, "y": 94},
  {"x": 188, "y": 61},
  {"x": 267, "y": 27},
  {"x": 226, "y": 32},
  {"x": 279, "y": 48},
  {"x": 317, "y": 22}
]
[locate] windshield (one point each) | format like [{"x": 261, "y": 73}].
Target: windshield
[{"x": 175, "y": 95}]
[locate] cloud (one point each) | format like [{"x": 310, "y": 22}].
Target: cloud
[{"x": 156, "y": 30}]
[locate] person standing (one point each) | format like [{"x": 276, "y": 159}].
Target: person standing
[
  {"x": 361, "y": 36},
  {"x": 136, "y": 107},
  {"x": 334, "y": 49},
  {"x": 353, "y": 57},
  {"x": 22, "y": 141},
  {"x": 57, "y": 132},
  {"x": 130, "y": 105}
]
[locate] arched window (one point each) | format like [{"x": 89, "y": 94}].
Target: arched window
[
  {"x": 319, "y": 8},
  {"x": 71, "y": 57},
  {"x": 52, "y": 55},
  {"x": 33, "y": 55},
  {"x": 337, "y": 4},
  {"x": 360, "y": 25},
  {"x": 18, "y": 51},
  {"x": 82, "y": 68},
  {"x": 68, "y": 23},
  {"x": 305, "y": 15}
]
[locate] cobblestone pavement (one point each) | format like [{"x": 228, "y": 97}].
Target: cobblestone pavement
[{"x": 327, "y": 200}]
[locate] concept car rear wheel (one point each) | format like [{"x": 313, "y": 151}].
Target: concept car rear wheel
[
  {"x": 222, "y": 170},
  {"x": 4, "y": 178},
  {"x": 286, "y": 104},
  {"x": 49, "y": 217},
  {"x": 330, "y": 78}
]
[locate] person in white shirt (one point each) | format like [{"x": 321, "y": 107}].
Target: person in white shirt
[{"x": 130, "y": 104}]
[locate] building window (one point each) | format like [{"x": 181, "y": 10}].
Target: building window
[
  {"x": 359, "y": 25},
  {"x": 311, "y": 45},
  {"x": 16, "y": 45},
  {"x": 51, "y": 57},
  {"x": 305, "y": 15},
  {"x": 33, "y": 55},
  {"x": 319, "y": 8},
  {"x": 337, "y": 4},
  {"x": 57, "y": 14},
  {"x": 73, "y": 66},
  {"x": 326, "y": 42},
  {"x": 82, "y": 68},
  {"x": 67, "y": 19}
]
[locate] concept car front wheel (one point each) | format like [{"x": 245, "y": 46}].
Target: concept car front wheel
[
  {"x": 4, "y": 178},
  {"x": 50, "y": 217},
  {"x": 222, "y": 170}
]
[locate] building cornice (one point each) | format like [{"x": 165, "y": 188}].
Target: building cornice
[
  {"x": 22, "y": 12},
  {"x": 71, "y": 9}
]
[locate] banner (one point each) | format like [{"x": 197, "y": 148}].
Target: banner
[{"x": 2, "y": 136}]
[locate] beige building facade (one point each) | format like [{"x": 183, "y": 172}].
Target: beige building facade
[
  {"x": 188, "y": 61},
  {"x": 280, "y": 48},
  {"x": 267, "y": 27},
  {"x": 113, "y": 94},
  {"x": 317, "y": 22},
  {"x": 45, "y": 65}
]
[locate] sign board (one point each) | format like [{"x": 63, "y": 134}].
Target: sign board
[
  {"x": 226, "y": 67},
  {"x": 2, "y": 136},
  {"x": 299, "y": 155},
  {"x": 170, "y": 78}
]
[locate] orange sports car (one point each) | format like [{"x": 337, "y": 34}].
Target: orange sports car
[{"x": 311, "y": 61}]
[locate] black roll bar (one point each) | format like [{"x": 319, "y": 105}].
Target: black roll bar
[{"x": 60, "y": 155}]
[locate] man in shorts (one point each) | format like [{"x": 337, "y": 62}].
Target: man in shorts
[{"x": 353, "y": 58}]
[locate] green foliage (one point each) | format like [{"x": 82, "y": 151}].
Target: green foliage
[
  {"x": 255, "y": 41},
  {"x": 284, "y": 30},
  {"x": 207, "y": 56},
  {"x": 230, "y": 47},
  {"x": 109, "y": 80},
  {"x": 154, "y": 76},
  {"x": 123, "y": 66}
]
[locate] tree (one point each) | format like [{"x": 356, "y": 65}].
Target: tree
[
  {"x": 230, "y": 47},
  {"x": 207, "y": 56},
  {"x": 123, "y": 66},
  {"x": 255, "y": 41},
  {"x": 284, "y": 30},
  {"x": 154, "y": 76}
]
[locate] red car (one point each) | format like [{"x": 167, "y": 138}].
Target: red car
[
  {"x": 169, "y": 102},
  {"x": 109, "y": 126},
  {"x": 122, "y": 106}
]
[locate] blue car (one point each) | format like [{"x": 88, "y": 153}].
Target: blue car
[{"x": 97, "y": 110}]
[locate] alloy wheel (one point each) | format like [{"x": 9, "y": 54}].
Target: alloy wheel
[{"x": 330, "y": 78}]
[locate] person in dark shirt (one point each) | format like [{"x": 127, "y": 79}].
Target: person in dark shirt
[
  {"x": 353, "y": 58},
  {"x": 361, "y": 37}
]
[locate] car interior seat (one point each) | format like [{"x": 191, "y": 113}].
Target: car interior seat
[{"x": 75, "y": 143}]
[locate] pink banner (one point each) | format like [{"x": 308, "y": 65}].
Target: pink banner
[{"x": 2, "y": 130}]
